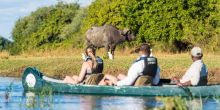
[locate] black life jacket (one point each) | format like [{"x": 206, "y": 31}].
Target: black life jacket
[
  {"x": 203, "y": 80},
  {"x": 100, "y": 65},
  {"x": 151, "y": 66}
]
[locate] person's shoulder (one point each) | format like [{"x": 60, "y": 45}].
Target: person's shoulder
[
  {"x": 197, "y": 63},
  {"x": 139, "y": 61}
]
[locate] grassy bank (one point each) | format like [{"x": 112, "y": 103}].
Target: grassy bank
[{"x": 69, "y": 63}]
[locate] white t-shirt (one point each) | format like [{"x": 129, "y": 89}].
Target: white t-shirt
[
  {"x": 193, "y": 74},
  {"x": 136, "y": 70}
]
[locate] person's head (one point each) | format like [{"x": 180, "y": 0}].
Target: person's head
[
  {"x": 144, "y": 50},
  {"x": 90, "y": 49},
  {"x": 196, "y": 53}
]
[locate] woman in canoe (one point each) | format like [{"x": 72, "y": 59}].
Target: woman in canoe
[
  {"x": 92, "y": 64},
  {"x": 145, "y": 65}
]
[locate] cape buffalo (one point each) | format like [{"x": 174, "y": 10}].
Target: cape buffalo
[{"x": 109, "y": 37}]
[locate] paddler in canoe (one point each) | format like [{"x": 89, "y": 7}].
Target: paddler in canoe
[
  {"x": 145, "y": 68},
  {"x": 196, "y": 75},
  {"x": 92, "y": 65}
]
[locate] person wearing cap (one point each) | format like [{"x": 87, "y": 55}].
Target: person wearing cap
[
  {"x": 197, "y": 72},
  {"x": 144, "y": 65}
]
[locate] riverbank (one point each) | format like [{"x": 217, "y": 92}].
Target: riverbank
[{"x": 59, "y": 66}]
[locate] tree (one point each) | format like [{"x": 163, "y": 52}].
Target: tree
[
  {"x": 48, "y": 27},
  {"x": 4, "y": 43},
  {"x": 174, "y": 22}
]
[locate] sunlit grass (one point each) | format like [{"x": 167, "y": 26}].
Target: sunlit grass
[{"x": 69, "y": 63}]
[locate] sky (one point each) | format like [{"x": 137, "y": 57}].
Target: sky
[{"x": 12, "y": 10}]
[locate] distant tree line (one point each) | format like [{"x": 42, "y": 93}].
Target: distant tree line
[
  {"x": 4, "y": 43},
  {"x": 169, "y": 24},
  {"x": 48, "y": 28}
]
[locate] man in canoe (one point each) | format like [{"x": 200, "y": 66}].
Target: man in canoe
[
  {"x": 197, "y": 73},
  {"x": 144, "y": 65},
  {"x": 92, "y": 64}
]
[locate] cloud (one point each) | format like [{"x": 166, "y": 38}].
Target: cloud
[
  {"x": 83, "y": 3},
  {"x": 11, "y": 10}
]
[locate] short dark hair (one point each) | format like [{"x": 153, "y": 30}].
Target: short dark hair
[
  {"x": 199, "y": 57},
  {"x": 145, "y": 47},
  {"x": 92, "y": 48}
]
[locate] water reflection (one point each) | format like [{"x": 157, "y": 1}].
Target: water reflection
[
  {"x": 86, "y": 102},
  {"x": 126, "y": 103},
  {"x": 30, "y": 100},
  {"x": 16, "y": 99}
]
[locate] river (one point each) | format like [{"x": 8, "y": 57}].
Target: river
[{"x": 12, "y": 97}]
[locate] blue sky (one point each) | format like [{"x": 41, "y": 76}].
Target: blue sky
[{"x": 11, "y": 10}]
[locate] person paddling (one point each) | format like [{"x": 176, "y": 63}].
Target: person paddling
[
  {"x": 197, "y": 73},
  {"x": 92, "y": 64},
  {"x": 144, "y": 65}
]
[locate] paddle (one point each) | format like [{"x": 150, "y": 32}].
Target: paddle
[
  {"x": 169, "y": 81},
  {"x": 187, "y": 90}
]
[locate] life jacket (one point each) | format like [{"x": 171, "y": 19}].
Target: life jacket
[
  {"x": 203, "y": 76},
  {"x": 151, "y": 66},
  {"x": 100, "y": 65}
]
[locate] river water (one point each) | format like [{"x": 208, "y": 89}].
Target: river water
[{"x": 12, "y": 97}]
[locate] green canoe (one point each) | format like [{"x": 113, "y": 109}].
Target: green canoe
[{"x": 34, "y": 80}]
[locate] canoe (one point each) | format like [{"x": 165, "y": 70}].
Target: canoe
[{"x": 34, "y": 80}]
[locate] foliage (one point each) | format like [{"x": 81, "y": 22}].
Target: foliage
[
  {"x": 47, "y": 28},
  {"x": 4, "y": 43},
  {"x": 175, "y": 22},
  {"x": 181, "y": 103}
]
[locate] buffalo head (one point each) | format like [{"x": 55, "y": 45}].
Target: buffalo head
[{"x": 129, "y": 36}]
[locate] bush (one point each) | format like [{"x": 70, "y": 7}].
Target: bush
[
  {"x": 174, "y": 24},
  {"x": 4, "y": 43},
  {"x": 192, "y": 22}
]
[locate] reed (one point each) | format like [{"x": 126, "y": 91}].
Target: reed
[
  {"x": 40, "y": 100},
  {"x": 181, "y": 103}
]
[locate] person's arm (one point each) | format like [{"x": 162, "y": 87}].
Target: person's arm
[
  {"x": 188, "y": 83},
  {"x": 82, "y": 72},
  {"x": 133, "y": 72},
  {"x": 94, "y": 62},
  {"x": 192, "y": 76}
]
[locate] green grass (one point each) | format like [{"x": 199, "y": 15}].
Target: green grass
[
  {"x": 181, "y": 103},
  {"x": 59, "y": 66}
]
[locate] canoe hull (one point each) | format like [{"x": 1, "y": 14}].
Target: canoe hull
[{"x": 41, "y": 83}]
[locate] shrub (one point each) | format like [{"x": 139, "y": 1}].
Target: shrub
[{"x": 192, "y": 22}]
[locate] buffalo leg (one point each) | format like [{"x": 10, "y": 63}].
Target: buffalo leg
[
  {"x": 113, "y": 51},
  {"x": 107, "y": 50}
]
